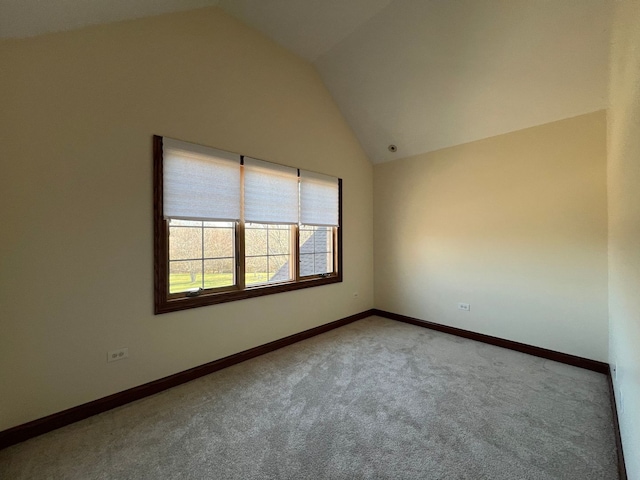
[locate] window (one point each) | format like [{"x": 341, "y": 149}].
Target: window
[
  {"x": 268, "y": 254},
  {"x": 229, "y": 227},
  {"x": 201, "y": 255},
  {"x": 316, "y": 250}
]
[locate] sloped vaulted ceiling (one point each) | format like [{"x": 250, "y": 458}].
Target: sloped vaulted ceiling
[
  {"x": 428, "y": 74},
  {"x": 420, "y": 74}
]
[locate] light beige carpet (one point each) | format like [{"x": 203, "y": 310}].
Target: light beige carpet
[{"x": 376, "y": 399}]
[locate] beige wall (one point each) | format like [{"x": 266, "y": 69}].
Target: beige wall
[
  {"x": 78, "y": 112},
  {"x": 515, "y": 225},
  {"x": 624, "y": 226}
]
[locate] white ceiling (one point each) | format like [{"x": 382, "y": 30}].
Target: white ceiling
[
  {"x": 431, "y": 74},
  {"x": 309, "y": 28},
  {"x": 421, "y": 74}
]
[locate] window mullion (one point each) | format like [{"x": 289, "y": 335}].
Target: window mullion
[
  {"x": 240, "y": 252},
  {"x": 202, "y": 283},
  {"x": 295, "y": 252}
]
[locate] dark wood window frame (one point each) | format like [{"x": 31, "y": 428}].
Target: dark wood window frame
[{"x": 165, "y": 302}]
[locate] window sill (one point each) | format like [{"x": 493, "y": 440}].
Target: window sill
[{"x": 183, "y": 303}]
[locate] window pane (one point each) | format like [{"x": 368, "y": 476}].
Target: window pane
[
  {"x": 306, "y": 264},
  {"x": 218, "y": 242},
  {"x": 184, "y": 276},
  {"x": 255, "y": 241},
  {"x": 268, "y": 253},
  {"x": 256, "y": 270},
  {"x": 306, "y": 241},
  {"x": 321, "y": 239},
  {"x": 316, "y": 250},
  {"x": 279, "y": 241},
  {"x": 185, "y": 243},
  {"x": 219, "y": 273},
  {"x": 279, "y": 270},
  {"x": 323, "y": 263}
]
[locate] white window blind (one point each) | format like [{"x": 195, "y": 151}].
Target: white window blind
[
  {"x": 270, "y": 192},
  {"x": 200, "y": 182},
  {"x": 319, "y": 202}
]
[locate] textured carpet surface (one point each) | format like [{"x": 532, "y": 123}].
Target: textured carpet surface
[{"x": 376, "y": 399}]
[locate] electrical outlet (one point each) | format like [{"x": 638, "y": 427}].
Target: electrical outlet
[
  {"x": 115, "y": 355},
  {"x": 464, "y": 306}
]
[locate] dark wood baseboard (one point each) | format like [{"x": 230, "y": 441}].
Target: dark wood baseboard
[
  {"x": 622, "y": 469},
  {"x": 46, "y": 424},
  {"x": 594, "y": 365}
]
